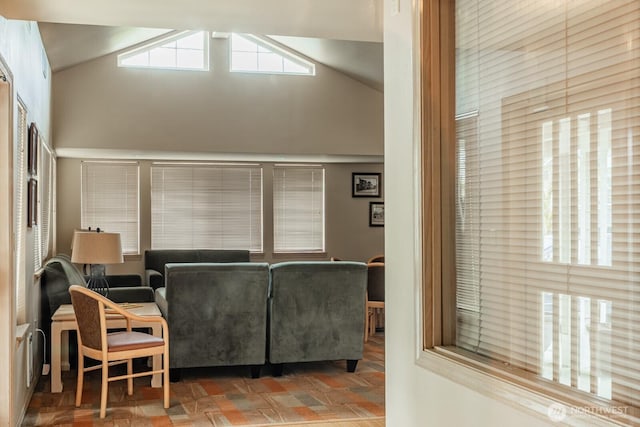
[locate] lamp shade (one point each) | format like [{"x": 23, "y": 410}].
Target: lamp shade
[{"x": 96, "y": 248}]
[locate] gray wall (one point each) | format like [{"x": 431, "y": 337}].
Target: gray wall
[
  {"x": 348, "y": 234},
  {"x": 101, "y": 106}
]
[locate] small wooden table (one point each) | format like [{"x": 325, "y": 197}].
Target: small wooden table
[{"x": 64, "y": 320}]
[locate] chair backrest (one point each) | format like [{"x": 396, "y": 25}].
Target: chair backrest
[
  {"x": 87, "y": 310},
  {"x": 376, "y": 258},
  {"x": 375, "y": 281}
]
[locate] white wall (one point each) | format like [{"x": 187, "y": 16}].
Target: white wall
[
  {"x": 99, "y": 105},
  {"x": 415, "y": 396},
  {"x": 21, "y": 48}
]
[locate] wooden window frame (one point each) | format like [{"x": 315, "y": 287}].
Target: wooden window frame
[{"x": 435, "y": 72}]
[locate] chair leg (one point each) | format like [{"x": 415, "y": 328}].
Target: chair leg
[
  {"x": 351, "y": 365},
  {"x": 80, "y": 382},
  {"x": 165, "y": 373},
  {"x": 366, "y": 324},
  {"x": 130, "y": 379},
  {"x": 105, "y": 388}
]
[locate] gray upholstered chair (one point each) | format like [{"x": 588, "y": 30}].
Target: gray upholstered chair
[
  {"x": 116, "y": 347},
  {"x": 375, "y": 295},
  {"x": 156, "y": 259},
  {"x": 217, "y": 314},
  {"x": 60, "y": 273},
  {"x": 317, "y": 312}
]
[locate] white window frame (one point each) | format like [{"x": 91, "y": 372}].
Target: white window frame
[
  {"x": 159, "y": 43},
  {"x": 268, "y": 45},
  {"x": 310, "y": 204},
  {"x": 129, "y": 216},
  {"x": 218, "y": 236}
]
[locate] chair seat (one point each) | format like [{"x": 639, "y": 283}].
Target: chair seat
[{"x": 123, "y": 341}]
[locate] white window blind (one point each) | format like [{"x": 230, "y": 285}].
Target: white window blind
[
  {"x": 201, "y": 206},
  {"x": 46, "y": 199},
  {"x": 20, "y": 219},
  {"x": 110, "y": 200},
  {"x": 548, "y": 183},
  {"x": 298, "y": 208}
]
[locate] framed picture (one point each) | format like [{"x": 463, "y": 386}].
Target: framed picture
[
  {"x": 32, "y": 203},
  {"x": 32, "y": 155},
  {"x": 365, "y": 184},
  {"x": 376, "y": 214}
]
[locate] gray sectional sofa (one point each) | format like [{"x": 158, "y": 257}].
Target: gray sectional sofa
[
  {"x": 242, "y": 313},
  {"x": 156, "y": 259},
  {"x": 217, "y": 314},
  {"x": 317, "y": 312}
]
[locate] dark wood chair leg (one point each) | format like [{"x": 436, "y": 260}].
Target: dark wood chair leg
[
  {"x": 276, "y": 369},
  {"x": 175, "y": 374},
  {"x": 351, "y": 365},
  {"x": 255, "y": 371}
]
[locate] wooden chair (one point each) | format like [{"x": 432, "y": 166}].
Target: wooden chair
[
  {"x": 376, "y": 258},
  {"x": 375, "y": 296},
  {"x": 115, "y": 347}
]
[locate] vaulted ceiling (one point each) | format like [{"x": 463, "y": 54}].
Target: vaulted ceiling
[{"x": 344, "y": 35}]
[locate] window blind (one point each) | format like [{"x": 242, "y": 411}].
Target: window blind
[
  {"x": 298, "y": 208},
  {"x": 46, "y": 199},
  {"x": 547, "y": 214},
  {"x": 110, "y": 200},
  {"x": 20, "y": 219},
  {"x": 201, "y": 206}
]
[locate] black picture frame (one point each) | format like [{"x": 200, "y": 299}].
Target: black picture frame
[
  {"x": 376, "y": 214},
  {"x": 365, "y": 184},
  {"x": 32, "y": 150},
  {"x": 32, "y": 203}
]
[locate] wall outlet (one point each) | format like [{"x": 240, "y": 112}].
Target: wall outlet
[{"x": 395, "y": 7}]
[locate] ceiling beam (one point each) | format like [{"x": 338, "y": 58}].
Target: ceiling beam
[{"x": 358, "y": 20}]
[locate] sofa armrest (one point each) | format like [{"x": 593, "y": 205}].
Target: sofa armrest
[
  {"x": 131, "y": 294},
  {"x": 154, "y": 279},
  {"x": 161, "y": 301}
]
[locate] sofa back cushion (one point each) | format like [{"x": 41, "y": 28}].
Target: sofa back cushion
[
  {"x": 156, "y": 259},
  {"x": 317, "y": 311},
  {"x": 217, "y": 313}
]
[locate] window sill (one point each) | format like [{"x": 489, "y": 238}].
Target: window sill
[
  {"x": 21, "y": 332},
  {"x": 525, "y": 392}
]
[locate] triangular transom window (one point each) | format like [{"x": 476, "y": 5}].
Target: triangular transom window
[
  {"x": 187, "y": 50},
  {"x": 253, "y": 54}
]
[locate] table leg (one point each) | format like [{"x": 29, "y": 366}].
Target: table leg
[
  {"x": 64, "y": 350},
  {"x": 56, "y": 379}
]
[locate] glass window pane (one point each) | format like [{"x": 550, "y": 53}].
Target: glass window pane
[
  {"x": 240, "y": 44},
  {"x": 161, "y": 57},
  {"x": 194, "y": 41},
  {"x": 244, "y": 61},
  {"x": 269, "y": 62},
  {"x": 139, "y": 60},
  {"x": 190, "y": 59}
]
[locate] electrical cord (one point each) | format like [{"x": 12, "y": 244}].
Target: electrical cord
[{"x": 45, "y": 366}]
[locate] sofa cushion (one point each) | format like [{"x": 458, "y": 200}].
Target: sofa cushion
[
  {"x": 217, "y": 313},
  {"x": 317, "y": 311},
  {"x": 156, "y": 259}
]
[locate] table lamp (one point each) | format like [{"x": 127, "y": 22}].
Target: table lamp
[{"x": 97, "y": 248}]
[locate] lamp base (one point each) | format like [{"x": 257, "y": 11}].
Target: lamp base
[{"x": 98, "y": 280}]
